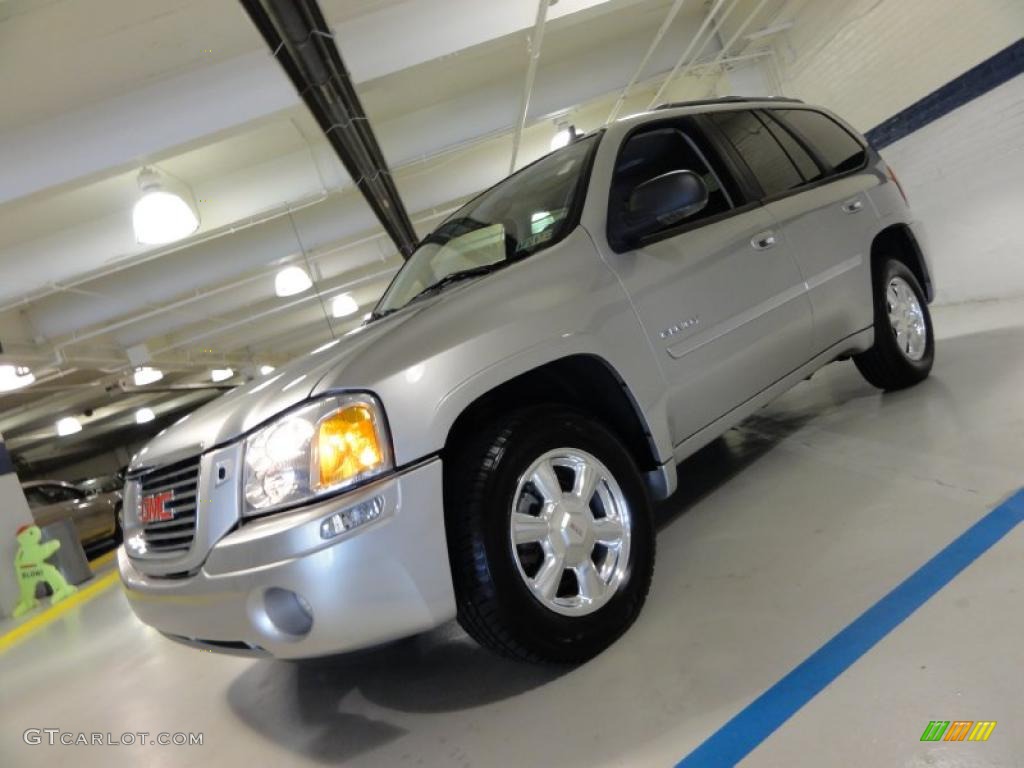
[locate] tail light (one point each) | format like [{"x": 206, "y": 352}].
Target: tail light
[{"x": 892, "y": 175}]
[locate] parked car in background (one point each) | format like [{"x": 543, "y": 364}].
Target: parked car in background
[
  {"x": 110, "y": 485},
  {"x": 104, "y": 484},
  {"x": 94, "y": 516}
]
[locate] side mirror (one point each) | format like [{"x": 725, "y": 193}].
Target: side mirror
[{"x": 662, "y": 202}]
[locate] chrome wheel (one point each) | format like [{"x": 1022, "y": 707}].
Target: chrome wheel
[
  {"x": 906, "y": 319},
  {"x": 570, "y": 531}
]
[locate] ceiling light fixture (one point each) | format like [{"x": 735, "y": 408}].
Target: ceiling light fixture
[
  {"x": 265, "y": 369},
  {"x": 69, "y": 425},
  {"x": 144, "y": 376},
  {"x": 162, "y": 215},
  {"x": 291, "y": 280},
  {"x": 221, "y": 374},
  {"x": 144, "y": 415},
  {"x": 14, "y": 377},
  {"x": 344, "y": 305}
]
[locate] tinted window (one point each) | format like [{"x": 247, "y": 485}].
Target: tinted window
[
  {"x": 60, "y": 493},
  {"x": 838, "y": 148},
  {"x": 35, "y": 497},
  {"x": 774, "y": 171},
  {"x": 801, "y": 157},
  {"x": 650, "y": 154}
]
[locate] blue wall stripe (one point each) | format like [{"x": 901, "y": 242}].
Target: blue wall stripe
[
  {"x": 992, "y": 72},
  {"x": 6, "y": 465},
  {"x": 743, "y": 733}
]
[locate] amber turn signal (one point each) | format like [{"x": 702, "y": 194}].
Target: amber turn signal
[{"x": 347, "y": 446}]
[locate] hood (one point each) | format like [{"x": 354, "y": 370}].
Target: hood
[{"x": 242, "y": 410}]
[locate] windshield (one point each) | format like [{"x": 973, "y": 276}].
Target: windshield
[{"x": 516, "y": 218}]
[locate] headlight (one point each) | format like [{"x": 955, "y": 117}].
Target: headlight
[{"x": 328, "y": 445}]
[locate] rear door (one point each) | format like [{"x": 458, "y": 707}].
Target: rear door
[
  {"x": 719, "y": 294},
  {"x": 830, "y": 222}
]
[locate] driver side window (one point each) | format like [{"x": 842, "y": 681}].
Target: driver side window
[{"x": 652, "y": 153}]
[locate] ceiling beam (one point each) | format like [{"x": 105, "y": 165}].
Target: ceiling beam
[{"x": 304, "y": 46}]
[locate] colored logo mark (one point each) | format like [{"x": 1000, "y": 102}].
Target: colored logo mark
[{"x": 958, "y": 730}]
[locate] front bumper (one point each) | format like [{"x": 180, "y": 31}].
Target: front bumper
[{"x": 387, "y": 579}]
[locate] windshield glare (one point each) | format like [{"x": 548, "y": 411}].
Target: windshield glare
[{"x": 518, "y": 217}]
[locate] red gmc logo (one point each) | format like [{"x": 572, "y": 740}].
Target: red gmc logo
[{"x": 154, "y": 508}]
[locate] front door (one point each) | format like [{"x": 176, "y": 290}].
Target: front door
[{"x": 719, "y": 295}]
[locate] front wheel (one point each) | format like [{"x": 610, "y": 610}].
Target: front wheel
[
  {"x": 904, "y": 347},
  {"x": 550, "y": 536}
]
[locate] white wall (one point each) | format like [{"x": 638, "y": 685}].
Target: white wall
[
  {"x": 964, "y": 176},
  {"x": 964, "y": 173},
  {"x": 869, "y": 59}
]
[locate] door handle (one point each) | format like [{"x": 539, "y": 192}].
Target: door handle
[
  {"x": 763, "y": 241},
  {"x": 853, "y": 206}
]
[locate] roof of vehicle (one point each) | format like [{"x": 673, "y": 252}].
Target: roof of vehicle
[
  {"x": 726, "y": 100},
  {"x": 698, "y": 106}
]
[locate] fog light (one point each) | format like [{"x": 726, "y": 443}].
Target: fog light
[
  {"x": 347, "y": 519},
  {"x": 288, "y": 611}
]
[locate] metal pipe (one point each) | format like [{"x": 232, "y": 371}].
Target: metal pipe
[
  {"x": 266, "y": 313},
  {"x": 174, "y": 306},
  {"x": 689, "y": 48},
  {"x": 304, "y": 46},
  {"x": 122, "y": 264},
  {"x": 739, "y": 31},
  {"x": 672, "y": 13},
  {"x": 533, "y": 43}
]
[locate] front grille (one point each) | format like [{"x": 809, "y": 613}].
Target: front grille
[{"x": 182, "y": 480}]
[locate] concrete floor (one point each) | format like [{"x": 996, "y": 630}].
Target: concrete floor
[{"x": 783, "y": 532}]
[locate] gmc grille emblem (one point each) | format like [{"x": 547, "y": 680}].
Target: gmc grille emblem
[{"x": 154, "y": 507}]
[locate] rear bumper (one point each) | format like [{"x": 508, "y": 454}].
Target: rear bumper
[{"x": 387, "y": 579}]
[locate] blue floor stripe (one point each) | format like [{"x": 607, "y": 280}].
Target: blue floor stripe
[{"x": 741, "y": 735}]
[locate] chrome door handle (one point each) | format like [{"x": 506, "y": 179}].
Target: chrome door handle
[
  {"x": 763, "y": 241},
  {"x": 853, "y": 206}
]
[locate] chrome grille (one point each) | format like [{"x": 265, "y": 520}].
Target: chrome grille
[{"x": 182, "y": 479}]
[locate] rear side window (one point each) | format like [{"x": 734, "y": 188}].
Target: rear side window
[
  {"x": 801, "y": 158},
  {"x": 771, "y": 166},
  {"x": 833, "y": 142}
]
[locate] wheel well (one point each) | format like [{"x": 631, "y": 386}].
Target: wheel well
[
  {"x": 898, "y": 242},
  {"x": 583, "y": 382}
]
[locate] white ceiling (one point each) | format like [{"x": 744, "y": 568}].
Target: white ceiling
[{"x": 95, "y": 89}]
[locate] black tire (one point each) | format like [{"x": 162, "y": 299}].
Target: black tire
[
  {"x": 495, "y": 606},
  {"x": 885, "y": 365},
  {"x": 118, "y": 532}
]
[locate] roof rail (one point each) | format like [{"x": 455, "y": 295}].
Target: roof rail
[{"x": 726, "y": 100}]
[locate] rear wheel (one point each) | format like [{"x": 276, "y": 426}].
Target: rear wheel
[
  {"x": 550, "y": 536},
  {"x": 904, "y": 347}
]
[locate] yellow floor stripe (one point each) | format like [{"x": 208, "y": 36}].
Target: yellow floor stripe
[
  {"x": 55, "y": 612},
  {"x": 103, "y": 559}
]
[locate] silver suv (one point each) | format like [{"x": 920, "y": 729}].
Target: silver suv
[{"x": 487, "y": 446}]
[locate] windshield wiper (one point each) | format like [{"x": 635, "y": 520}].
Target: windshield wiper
[
  {"x": 454, "y": 277},
  {"x": 383, "y": 313},
  {"x": 430, "y": 290}
]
